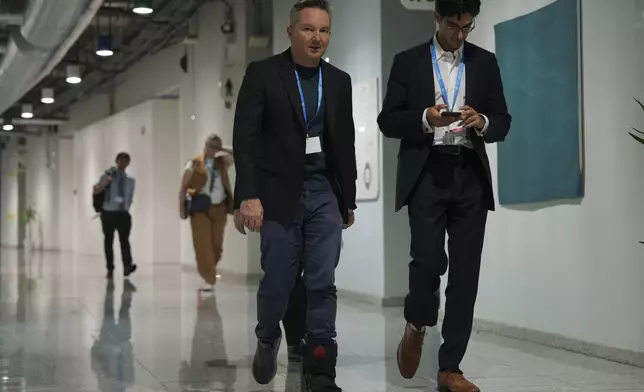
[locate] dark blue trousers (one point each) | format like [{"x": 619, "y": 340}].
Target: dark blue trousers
[{"x": 315, "y": 237}]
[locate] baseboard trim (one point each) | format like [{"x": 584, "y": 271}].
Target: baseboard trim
[
  {"x": 371, "y": 299},
  {"x": 627, "y": 357}
]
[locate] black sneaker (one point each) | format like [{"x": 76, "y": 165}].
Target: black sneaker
[
  {"x": 129, "y": 270},
  {"x": 110, "y": 275},
  {"x": 265, "y": 360},
  {"x": 320, "y": 357}
]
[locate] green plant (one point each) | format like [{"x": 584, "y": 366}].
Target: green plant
[
  {"x": 636, "y": 136},
  {"x": 28, "y": 215}
]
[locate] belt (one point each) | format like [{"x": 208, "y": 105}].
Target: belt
[{"x": 451, "y": 150}]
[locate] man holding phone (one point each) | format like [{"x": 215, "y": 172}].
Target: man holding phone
[{"x": 444, "y": 178}]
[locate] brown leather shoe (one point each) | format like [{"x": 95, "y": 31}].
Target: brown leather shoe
[
  {"x": 410, "y": 351},
  {"x": 455, "y": 382}
]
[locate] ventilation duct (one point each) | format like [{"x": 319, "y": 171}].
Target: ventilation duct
[{"x": 50, "y": 28}]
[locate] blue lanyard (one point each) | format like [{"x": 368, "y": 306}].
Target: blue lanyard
[
  {"x": 299, "y": 86},
  {"x": 441, "y": 83}
]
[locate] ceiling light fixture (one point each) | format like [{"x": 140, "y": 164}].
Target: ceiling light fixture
[
  {"x": 73, "y": 74},
  {"x": 142, "y": 7},
  {"x": 104, "y": 47},
  {"x": 47, "y": 96},
  {"x": 7, "y": 127},
  {"x": 27, "y": 111}
]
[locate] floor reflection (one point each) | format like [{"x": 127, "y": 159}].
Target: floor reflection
[
  {"x": 208, "y": 365},
  {"x": 112, "y": 358},
  {"x": 12, "y": 352},
  {"x": 64, "y": 329},
  {"x": 293, "y": 377}
]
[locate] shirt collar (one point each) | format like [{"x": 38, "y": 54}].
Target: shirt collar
[{"x": 440, "y": 52}]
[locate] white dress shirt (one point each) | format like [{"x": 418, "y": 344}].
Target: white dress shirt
[
  {"x": 218, "y": 194},
  {"x": 449, "y": 63}
]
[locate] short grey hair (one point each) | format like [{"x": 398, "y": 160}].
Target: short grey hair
[{"x": 323, "y": 5}]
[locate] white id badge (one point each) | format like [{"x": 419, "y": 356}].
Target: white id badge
[
  {"x": 118, "y": 199},
  {"x": 456, "y": 127},
  {"x": 313, "y": 145},
  {"x": 456, "y": 134}
]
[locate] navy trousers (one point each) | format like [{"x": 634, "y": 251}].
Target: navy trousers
[{"x": 315, "y": 237}]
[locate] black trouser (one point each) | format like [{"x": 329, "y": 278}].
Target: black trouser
[
  {"x": 449, "y": 198},
  {"x": 121, "y": 222},
  {"x": 294, "y": 320},
  {"x": 314, "y": 238}
]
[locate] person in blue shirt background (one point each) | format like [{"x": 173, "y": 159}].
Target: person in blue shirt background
[{"x": 118, "y": 187}]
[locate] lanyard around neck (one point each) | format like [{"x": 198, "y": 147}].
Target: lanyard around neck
[
  {"x": 299, "y": 86},
  {"x": 441, "y": 82}
]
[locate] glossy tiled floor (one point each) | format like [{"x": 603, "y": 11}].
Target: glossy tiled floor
[{"x": 63, "y": 328}]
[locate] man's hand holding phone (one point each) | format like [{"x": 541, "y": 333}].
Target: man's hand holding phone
[
  {"x": 471, "y": 119},
  {"x": 436, "y": 119}
]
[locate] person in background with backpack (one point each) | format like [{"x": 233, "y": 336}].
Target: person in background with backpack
[
  {"x": 205, "y": 196},
  {"x": 116, "y": 188}
]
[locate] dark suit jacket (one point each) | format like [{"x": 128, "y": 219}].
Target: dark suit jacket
[
  {"x": 269, "y": 137},
  {"x": 410, "y": 90}
]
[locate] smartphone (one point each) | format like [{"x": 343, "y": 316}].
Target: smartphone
[{"x": 451, "y": 114}]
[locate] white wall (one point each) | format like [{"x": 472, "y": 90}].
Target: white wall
[
  {"x": 151, "y": 77},
  {"x": 66, "y": 197},
  {"x": 9, "y": 198},
  {"x": 43, "y": 191},
  {"x": 354, "y": 48},
  {"x": 164, "y": 161},
  {"x": 576, "y": 270}
]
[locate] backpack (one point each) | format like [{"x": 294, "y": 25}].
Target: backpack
[{"x": 98, "y": 199}]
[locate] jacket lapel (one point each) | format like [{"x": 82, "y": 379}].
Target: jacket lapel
[
  {"x": 426, "y": 72},
  {"x": 329, "y": 86},
  {"x": 287, "y": 73},
  {"x": 469, "y": 57}
]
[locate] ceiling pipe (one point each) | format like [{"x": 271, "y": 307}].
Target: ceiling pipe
[
  {"x": 11, "y": 19},
  {"x": 38, "y": 121},
  {"x": 35, "y": 134},
  {"x": 177, "y": 12},
  {"x": 50, "y": 29},
  {"x": 35, "y": 121}
]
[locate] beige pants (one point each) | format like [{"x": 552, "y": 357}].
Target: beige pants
[{"x": 208, "y": 238}]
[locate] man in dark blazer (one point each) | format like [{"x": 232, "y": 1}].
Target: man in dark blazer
[
  {"x": 444, "y": 178},
  {"x": 294, "y": 149}
]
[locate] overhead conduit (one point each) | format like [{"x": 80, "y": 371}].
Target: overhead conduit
[{"x": 50, "y": 28}]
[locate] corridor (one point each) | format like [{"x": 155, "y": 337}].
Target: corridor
[{"x": 63, "y": 328}]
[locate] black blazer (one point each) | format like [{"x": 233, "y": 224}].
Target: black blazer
[
  {"x": 410, "y": 90},
  {"x": 269, "y": 137}
]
